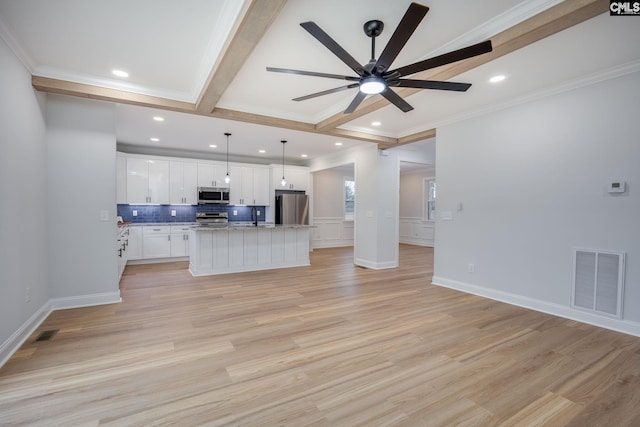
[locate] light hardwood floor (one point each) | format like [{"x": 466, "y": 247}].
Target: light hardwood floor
[{"x": 325, "y": 345}]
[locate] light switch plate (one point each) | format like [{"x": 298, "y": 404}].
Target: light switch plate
[{"x": 104, "y": 215}]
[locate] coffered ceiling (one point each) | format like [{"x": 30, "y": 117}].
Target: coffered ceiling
[{"x": 201, "y": 65}]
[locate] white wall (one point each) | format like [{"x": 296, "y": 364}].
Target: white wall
[
  {"x": 81, "y": 153},
  {"x": 412, "y": 194},
  {"x": 414, "y": 230},
  {"x": 532, "y": 182},
  {"x": 331, "y": 230},
  {"x": 23, "y": 237},
  {"x": 376, "y": 222},
  {"x": 328, "y": 191}
]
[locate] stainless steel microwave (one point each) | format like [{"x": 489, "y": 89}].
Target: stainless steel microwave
[{"x": 210, "y": 195}]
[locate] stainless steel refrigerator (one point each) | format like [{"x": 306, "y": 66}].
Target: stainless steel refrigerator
[{"x": 292, "y": 209}]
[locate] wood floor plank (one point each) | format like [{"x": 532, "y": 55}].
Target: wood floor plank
[{"x": 330, "y": 344}]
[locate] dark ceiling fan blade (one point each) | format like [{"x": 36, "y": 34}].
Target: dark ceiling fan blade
[
  {"x": 396, "y": 100},
  {"x": 326, "y": 92},
  {"x": 432, "y": 84},
  {"x": 332, "y": 45},
  {"x": 447, "y": 58},
  {"x": 356, "y": 101},
  {"x": 312, "y": 73},
  {"x": 410, "y": 21}
]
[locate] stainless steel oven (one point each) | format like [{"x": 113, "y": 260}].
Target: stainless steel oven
[{"x": 208, "y": 195}]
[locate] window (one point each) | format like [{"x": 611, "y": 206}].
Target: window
[
  {"x": 349, "y": 199},
  {"x": 429, "y": 199}
]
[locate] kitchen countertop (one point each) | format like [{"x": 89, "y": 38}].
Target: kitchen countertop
[
  {"x": 156, "y": 224},
  {"x": 247, "y": 226},
  {"x": 239, "y": 225}
]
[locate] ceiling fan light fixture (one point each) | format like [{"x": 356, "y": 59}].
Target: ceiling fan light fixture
[{"x": 372, "y": 85}]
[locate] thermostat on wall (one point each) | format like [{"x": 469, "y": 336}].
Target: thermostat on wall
[{"x": 617, "y": 186}]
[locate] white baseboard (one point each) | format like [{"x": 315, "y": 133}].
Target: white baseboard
[
  {"x": 85, "y": 300},
  {"x": 15, "y": 341},
  {"x": 376, "y": 265},
  {"x": 320, "y": 244},
  {"x": 197, "y": 272},
  {"x": 416, "y": 241},
  {"x": 156, "y": 260},
  {"x": 624, "y": 326}
]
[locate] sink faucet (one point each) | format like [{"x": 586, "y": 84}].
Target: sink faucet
[{"x": 254, "y": 215}]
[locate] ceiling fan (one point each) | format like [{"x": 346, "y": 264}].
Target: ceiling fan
[{"x": 375, "y": 76}]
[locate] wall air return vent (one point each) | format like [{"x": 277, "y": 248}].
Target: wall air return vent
[{"x": 598, "y": 281}]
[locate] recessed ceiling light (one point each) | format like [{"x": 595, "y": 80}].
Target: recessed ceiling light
[
  {"x": 262, "y": 151},
  {"x": 158, "y": 119},
  {"x": 498, "y": 78},
  {"x": 303, "y": 155},
  {"x": 375, "y": 123},
  {"x": 155, "y": 139},
  {"x": 338, "y": 144},
  {"x": 120, "y": 73},
  {"x": 213, "y": 146}
]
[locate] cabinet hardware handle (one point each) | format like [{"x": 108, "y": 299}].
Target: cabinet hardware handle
[{"x": 169, "y": 237}]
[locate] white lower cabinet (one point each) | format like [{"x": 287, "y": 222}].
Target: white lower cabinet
[
  {"x": 179, "y": 240},
  {"x": 135, "y": 243},
  {"x": 156, "y": 242},
  {"x": 122, "y": 249}
]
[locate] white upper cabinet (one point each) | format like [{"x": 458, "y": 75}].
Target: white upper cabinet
[
  {"x": 297, "y": 178},
  {"x": 121, "y": 180},
  {"x": 212, "y": 175},
  {"x": 261, "y": 187},
  {"x": 147, "y": 181},
  {"x": 183, "y": 185},
  {"x": 241, "y": 186},
  {"x": 249, "y": 186}
]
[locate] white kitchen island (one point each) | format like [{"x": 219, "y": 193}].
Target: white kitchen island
[{"x": 232, "y": 249}]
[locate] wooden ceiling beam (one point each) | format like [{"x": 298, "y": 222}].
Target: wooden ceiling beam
[
  {"x": 63, "y": 87},
  {"x": 258, "y": 18}
]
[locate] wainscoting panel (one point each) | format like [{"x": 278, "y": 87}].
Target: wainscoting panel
[
  {"x": 416, "y": 231},
  {"x": 331, "y": 232}
]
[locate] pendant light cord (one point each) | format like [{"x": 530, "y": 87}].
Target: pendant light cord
[
  {"x": 227, "y": 134},
  {"x": 283, "y": 142}
]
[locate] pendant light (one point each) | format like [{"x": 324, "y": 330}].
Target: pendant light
[
  {"x": 227, "y": 179},
  {"x": 284, "y": 181}
]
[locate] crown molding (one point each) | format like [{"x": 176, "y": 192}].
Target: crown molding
[
  {"x": 588, "y": 80},
  {"x": 16, "y": 48}
]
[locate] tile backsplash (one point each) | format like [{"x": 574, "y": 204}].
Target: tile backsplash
[{"x": 184, "y": 213}]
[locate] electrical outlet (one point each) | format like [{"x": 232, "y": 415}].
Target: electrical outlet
[
  {"x": 472, "y": 268},
  {"x": 134, "y": 213},
  {"x": 173, "y": 212},
  {"x": 257, "y": 213},
  {"x": 235, "y": 212},
  {"x": 27, "y": 294}
]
